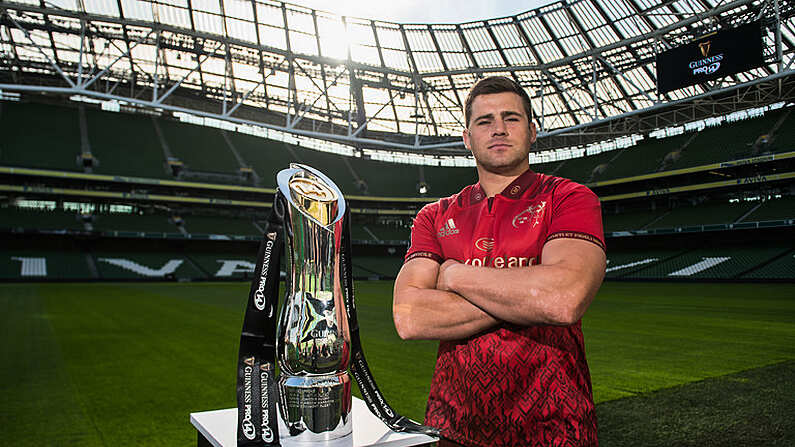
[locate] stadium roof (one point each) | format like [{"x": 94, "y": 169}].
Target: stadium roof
[{"x": 374, "y": 83}]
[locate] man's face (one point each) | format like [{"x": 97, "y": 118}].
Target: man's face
[{"x": 500, "y": 134}]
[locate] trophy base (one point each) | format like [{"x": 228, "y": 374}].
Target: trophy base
[{"x": 315, "y": 408}]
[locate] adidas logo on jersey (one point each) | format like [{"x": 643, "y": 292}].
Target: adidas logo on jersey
[{"x": 448, "y": 229}]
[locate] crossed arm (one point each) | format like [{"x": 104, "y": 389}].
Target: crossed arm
[{"x": 454, "y": 300}]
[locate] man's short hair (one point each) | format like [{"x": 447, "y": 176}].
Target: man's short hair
[{"x": 496, "y": 84}]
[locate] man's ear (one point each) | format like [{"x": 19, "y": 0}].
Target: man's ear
[
  {"x": 532, "y": 132},
  {"x": 465, "y": 136}
]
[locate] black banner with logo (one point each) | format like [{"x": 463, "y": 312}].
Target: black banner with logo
[
  {"x": 256, "y": 361},
  {"x": 257, "y": 393},
  {"x": 711, "y": 57}
]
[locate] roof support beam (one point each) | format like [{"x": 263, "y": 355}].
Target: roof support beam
[
  {"x": 322, "y": 67},
  {"x": 419, "y": 87},
  {"x": 629, "y": 75},
  {"x": 199, "y": 62},
  {"x": 444, "y": 65},
  {"x": 388, "y": 85},
  {"x": 582, "y": 32},
  {"x": 453, "y": 147},
  {"x": 622, "y": 36},
  {"x": 48, "y": 25},
  {"x": 577, "y": 74},
  {"x": 82, "y": 48},
  {"x": 629, "y": 81},
  {"x": 364, "y": 126},
  {"x": 38, "y": 48},
  {"x": 292, "y": 92},
  {"x": 323, "y": 92},
  {"x": 264, "y": 82},
  {"x": 612, "y": 46},
  {"x": 102, "y": 73}
]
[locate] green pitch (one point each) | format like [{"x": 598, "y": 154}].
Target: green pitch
[{"x": 124, "y": 364}]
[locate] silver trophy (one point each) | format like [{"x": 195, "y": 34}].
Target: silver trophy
[{"x": 313, "y": 337}]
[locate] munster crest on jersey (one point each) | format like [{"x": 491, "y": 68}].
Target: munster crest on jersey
[{"x": 533, "y": 213}]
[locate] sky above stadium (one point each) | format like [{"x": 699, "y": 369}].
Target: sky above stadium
[{"x": 424, "y": 11}]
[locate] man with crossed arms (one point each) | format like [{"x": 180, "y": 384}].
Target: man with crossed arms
[{"x": 501, "y": 273}]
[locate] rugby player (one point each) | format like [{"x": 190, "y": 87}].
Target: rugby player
[{"x": 501, "y": 273}]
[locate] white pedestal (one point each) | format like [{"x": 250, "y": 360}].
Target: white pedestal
[{"x": 219, "y": 427}]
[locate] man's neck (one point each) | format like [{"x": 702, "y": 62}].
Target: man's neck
[{"x": 494, "y": 183}]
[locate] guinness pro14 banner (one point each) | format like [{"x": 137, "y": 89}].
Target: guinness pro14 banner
[{"x": 711, "y": 57}]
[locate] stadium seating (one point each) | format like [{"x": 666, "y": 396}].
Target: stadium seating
[
  {"x": 220, "y": 225},
  {"x": 32, "y": 219},
  {"x": 225, "y": 265},
  {"x": 586, "y": 169},
  {"x": 379, "y": 232},
  {"x": 53, "y": 220},
  {"x": 126, "y": 144},
  {"x": 644, "y": 158},
  {"x": 620, "y": 264},
  {"x": 54, "y": 144},
  {"x": 702, "y": 214},
  {"x": 134, "y": 265},
  {"x": 199, "y": 148},
  {"x": 377, "y": 266},
  {"x": 332, "y": 165},
  {"x": 629, "y": 221},
  {"x": 37, "y": 265},
  {"x": 446, "y": 181},
  {"x": 726, "y": 142},
  {"x": 779, "y": 268},
  {"x": 392, "y": 232},
  {"x": 784, "y": 137},
  {"x": 384, "y": 180},
  {"x": 773, "y": 209},
  {"x": 715, "y": 263},
  {"x": 146, "y": 223},
  {"x": 265, "y": 157},
  {"x": 550, "y": 168},
  {"x": 359, "y": 233}
]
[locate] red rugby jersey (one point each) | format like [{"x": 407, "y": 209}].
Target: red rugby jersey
[{"x": 511, "y": 385}]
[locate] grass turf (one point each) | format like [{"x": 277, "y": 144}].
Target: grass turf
[{"x": 125, "y": 363}]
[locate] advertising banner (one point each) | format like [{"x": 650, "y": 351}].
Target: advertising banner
[{"x": 710, "y": 57}]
